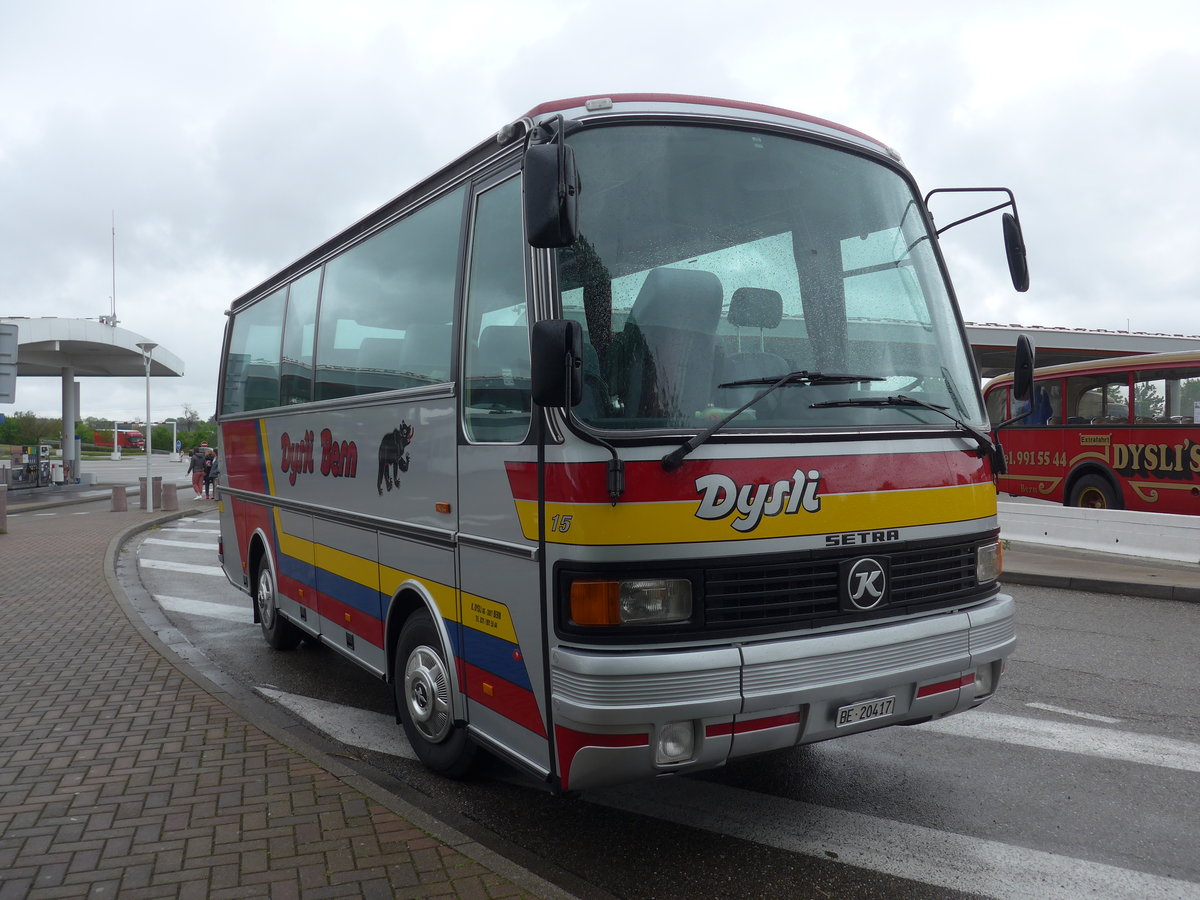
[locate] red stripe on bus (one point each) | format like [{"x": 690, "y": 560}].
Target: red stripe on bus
[
  {"x": 745, "y": 726},
  {"x": 647, "y": 482},
  {"x": 943, "y": 687},
  {"x": 509, "y": 700},
  {"x": 243, "y": 466},
  {"x": 569, "y": 742}
]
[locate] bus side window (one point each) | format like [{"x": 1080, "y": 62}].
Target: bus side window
[
  {"x": 252, "y": 369},
  {"x": 299, "y": 328},
  {"x": 378, "y": 294},
  {"x": 997, "y": 405},
  {"x": 497, "y": 390}
]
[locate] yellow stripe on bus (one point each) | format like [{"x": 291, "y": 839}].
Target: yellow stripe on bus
[
  {"x": 379, "y": 577},
  {"x": 266, "y": 446},
  {"x": 676, "y": 523}
]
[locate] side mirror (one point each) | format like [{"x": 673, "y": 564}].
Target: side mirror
[
  {"x": 556, "y": 364},
  {"x": 1023, "y": 369},
  {"x": 1014, "y": 247},
  {"x": 551, "y": 187}
]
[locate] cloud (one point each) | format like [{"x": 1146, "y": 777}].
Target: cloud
[{"x": 232, "y": 138}]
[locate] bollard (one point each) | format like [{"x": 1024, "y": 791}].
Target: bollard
[
  {"x": 157, "y": 492},
  {"x": 3, "y": 509},
  {"x": 118, "y": 499},
  {"x": 142, "y": 495},
  {"x": 170, "y": 498}
]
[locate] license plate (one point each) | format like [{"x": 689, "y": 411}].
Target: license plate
[{"x": 865, "y": 711}]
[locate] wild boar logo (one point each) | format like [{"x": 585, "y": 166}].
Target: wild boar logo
[{"x": 392, "y": 456}]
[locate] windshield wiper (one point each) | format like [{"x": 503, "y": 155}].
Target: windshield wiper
[
  {"x": 674, "y": 459},
  {"x": 985, "y": 445}
]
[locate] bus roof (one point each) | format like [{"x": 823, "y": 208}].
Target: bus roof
[
  {"x": 1140, "y": 362},
  {"x": 607, "y": 103},
  {"x": 579, "y": 108}
]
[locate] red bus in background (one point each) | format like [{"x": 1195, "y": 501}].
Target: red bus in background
[
  {"x": 127, "y": 438},
  {"x": 1108, "y": 434}
]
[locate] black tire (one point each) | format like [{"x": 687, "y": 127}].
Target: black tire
[
  {"x": 278, "y": 632},
  {"x": 1095, "y": 492},
  {"x": 422, "y": 685}
]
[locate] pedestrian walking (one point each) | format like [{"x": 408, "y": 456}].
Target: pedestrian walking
[
  {"x": 196, "y": 470},
  {"x": 211, "y": 470}
]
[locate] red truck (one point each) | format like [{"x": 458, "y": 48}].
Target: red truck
[{"x": 127, "y": 438}]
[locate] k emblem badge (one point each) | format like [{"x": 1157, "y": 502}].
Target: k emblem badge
[{"x": 863, "y": 584}]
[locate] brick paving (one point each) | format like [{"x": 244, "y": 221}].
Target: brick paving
[{"x": 121, "y": 777}]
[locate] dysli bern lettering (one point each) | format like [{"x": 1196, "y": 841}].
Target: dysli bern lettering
[{"x": 338, "y": 458}]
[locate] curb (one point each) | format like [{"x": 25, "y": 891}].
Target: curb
[
  {"x": 260, "y": 714},
  {"x": 1104, "y": 586}
]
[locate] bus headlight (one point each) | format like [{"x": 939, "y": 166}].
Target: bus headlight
[
  {"x": 989, "y": 562},
  {"x": 640, "y": 601}
]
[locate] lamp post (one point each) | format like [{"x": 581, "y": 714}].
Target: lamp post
[{"x": 147, "y": 348}]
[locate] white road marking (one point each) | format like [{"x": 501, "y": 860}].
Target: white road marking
[
  {"x": 191, "y": 545},
  {"x": 1086, "y": 740},
  {"x": 926, "y": 855},
  {"x": 181, "y": 567},
  {"x": 1061, "y": 710},
  {"x": 205, "y": 608},
  {"x": 191, "y": 530},
  {"x": 356, "y": 727}
]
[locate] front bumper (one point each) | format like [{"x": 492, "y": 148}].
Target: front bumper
[{"x": 741, "y": 699}]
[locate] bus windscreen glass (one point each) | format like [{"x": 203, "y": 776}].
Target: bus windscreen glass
[{"x": 710, "y": 255}]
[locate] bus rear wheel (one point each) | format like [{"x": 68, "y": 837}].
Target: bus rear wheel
[
  {"x": 1094, "y": 492},
  {"x": 422, "y": 686},
  {"x": 278, "y": 632}
]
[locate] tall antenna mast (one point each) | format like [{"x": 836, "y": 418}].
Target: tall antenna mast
[{"x": 113, "y": 299}]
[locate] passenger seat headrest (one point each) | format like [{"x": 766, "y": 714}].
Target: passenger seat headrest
[
  {"x": 684, "y": 299},
  {"x": 756, "y": 308}
]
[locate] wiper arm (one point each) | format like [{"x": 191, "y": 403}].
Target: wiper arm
[
  {"x": 674, "y": 459},
  {"x": 801, "y": 377},
  {"x": 985, "y": 445}
]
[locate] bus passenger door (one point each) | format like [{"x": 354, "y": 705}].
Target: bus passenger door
[{"x": 501, "y": 628}]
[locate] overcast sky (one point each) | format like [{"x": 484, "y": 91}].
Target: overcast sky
[{"x": 230, "y": 138}]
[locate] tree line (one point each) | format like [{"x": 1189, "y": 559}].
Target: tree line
[{"x": 27, "y": 428}]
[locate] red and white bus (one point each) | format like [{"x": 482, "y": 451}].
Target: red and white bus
[
  {"x": 1114, "y": 433},
  {"x": 643, "y": 436}
]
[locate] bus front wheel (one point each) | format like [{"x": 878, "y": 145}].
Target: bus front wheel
[
  {"x": 278, "y": 631},
  {"x": 1094, "y": 492},
  {"x": 422, "y": 685}
]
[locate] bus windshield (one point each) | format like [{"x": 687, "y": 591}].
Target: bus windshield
[{"x": 715, "y": 255}]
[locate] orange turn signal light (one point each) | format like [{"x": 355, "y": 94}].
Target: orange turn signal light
[{"x": 595, "y": 603}]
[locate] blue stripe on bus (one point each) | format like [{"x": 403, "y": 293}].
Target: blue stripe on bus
[{"x": 494, "y": 654}]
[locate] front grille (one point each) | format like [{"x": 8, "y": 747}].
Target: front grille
[{"x": 804, "y": 593}]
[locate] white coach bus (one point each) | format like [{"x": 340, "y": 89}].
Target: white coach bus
[{"x": 643, "y": 436}]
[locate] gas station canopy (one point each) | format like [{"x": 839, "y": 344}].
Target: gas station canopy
[
  {"x": 74, "y": 348},
  {"x": 47, "y": 346}
]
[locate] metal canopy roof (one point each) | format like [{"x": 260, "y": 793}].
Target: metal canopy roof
[
  {"x": 46, "y": 346},
  {"x": 994, "y": 345}
]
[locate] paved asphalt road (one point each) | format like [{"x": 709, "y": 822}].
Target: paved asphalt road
[{"x": 1078, "y": 779}]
